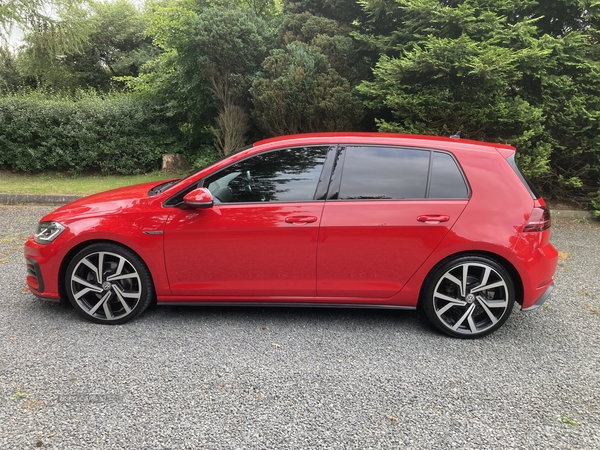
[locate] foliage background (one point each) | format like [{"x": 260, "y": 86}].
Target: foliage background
[
  {"x": 203, "y": 77},
  {"x": 114, "y": 134}
]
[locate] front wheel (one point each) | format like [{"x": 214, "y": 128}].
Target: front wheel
[
  {"x": 468, "y": 296},
  {"x": 107, "y": 283}
]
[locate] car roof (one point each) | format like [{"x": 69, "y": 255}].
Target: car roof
[{"x": 364, "y": 137}]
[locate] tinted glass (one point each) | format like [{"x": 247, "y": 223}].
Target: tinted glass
[
  {"x": 446, "y": 178},
  {"x": 534, "y": 193},
  {"x": 384, "y": 173},
  {"x": 289, "y": 175}
]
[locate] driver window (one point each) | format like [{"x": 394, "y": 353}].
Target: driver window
[{"x": 289, "y": 175}]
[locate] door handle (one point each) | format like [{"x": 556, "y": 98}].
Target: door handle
[
  {"x": 301, "y": 219},
  {"x": 433, "y": 218}
]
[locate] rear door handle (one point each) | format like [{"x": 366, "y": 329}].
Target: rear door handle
[
  {"x": 433, "y": 218},
  {"x": 301, "y": 219}
]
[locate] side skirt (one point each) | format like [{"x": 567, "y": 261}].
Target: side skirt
[{"x": 290, "y": 305}]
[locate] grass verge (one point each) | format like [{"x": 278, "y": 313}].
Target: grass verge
[{"x": 62, "y": 184}]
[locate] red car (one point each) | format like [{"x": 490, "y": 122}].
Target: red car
[{"x": 329, "y": 219}]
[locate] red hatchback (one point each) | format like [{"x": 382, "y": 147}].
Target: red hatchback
[{"x": 346, "y": 219}]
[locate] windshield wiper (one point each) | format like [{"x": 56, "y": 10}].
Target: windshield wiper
[{"x": 162, "y": 187}]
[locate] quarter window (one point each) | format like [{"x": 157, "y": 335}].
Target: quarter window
[
  {"x": 289, "y": 175},
  {"x": 446, "y": 178}
]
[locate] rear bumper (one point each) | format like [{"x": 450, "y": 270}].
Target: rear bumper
[{"x": 541, "y": 300}]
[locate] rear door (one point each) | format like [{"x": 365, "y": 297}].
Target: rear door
[{"x": 387, "y": 210}]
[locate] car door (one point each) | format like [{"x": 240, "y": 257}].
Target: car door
[
  {"x": 260, "y": 236},
  {"x": 387, "y": 210}
]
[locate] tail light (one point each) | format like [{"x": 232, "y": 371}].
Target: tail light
[{"x": 539, "y": 220}]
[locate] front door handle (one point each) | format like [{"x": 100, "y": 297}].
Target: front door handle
[
  {"x": 301, "y": 219},
  {"x": 433, "y": 218}
]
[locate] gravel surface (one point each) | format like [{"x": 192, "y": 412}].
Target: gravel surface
[{"x": 228, "y": 378}]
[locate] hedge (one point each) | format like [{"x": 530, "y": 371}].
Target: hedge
[{"x": 115, "y": 134}]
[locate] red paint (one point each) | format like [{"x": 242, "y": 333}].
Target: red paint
[{"x": 375, "y": 252}]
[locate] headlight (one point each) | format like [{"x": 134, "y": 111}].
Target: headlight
[{"x": 47, "y": 231}]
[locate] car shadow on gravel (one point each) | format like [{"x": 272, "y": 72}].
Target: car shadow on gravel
[
  {"x": 282, "y": 315},
  {"x": 180, "y": 316}
]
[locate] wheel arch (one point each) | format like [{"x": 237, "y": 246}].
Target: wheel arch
[
  {"x": 62, "y": 271},
  {"x": 505, "y": 263}
]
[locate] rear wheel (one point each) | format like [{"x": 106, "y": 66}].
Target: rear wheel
[
  {"x": 108, "y": 283},
  {"x": 468, "y": 296}
]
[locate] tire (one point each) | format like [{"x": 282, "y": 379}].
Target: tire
[
  {"x": 108, "y": 283},
  {"x": 468, "y": 296}
]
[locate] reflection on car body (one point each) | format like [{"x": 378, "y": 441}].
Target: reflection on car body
[{"x": 336, "y": 219}]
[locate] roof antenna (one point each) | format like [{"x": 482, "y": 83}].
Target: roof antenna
[{"x": 455, "y": 136}]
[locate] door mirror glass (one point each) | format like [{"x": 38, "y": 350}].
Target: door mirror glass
[{"x": 199, "y": 198}]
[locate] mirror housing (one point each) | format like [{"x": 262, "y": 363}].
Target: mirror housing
[{"x": 198, "y": 198}]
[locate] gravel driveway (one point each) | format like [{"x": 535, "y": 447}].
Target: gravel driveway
[{"x": 227, "y": 378}]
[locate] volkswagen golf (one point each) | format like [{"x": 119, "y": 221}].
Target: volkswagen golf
[{"x": 375, "y": 220}]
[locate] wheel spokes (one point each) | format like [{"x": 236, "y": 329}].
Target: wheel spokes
[
  {"x": 488, "y": 312},
  {"x": 100, "y": 266},
  {"x": 471, "y": 298},
  {"x": 88, "y": 285},
  {"x": 121, "y": 277},
  {"x": 106, "y": 285},
  {"x": 121, "y": 295},
  {"x": 97, "y": 272},
  {"x": 102, "y": 302},
  {"x": 467, "y": 314},
  {"x": 448, "y": 276},
  {"x": 489, "y": 286}
]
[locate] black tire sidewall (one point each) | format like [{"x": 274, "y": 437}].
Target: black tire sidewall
[
  {"x": 147, "y": 288},
  {"x": 427, "y": 301}
]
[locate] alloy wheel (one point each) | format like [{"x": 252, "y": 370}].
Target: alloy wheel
[
  {"x": 470, "y": 297},
  {"x": 105, "y": 285}
]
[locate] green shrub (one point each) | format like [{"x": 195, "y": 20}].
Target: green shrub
[
  {"x": 114, "y": 134},
  {"x": 596, "y": 205}
]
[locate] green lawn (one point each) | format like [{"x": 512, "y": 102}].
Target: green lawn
[{"x": 62, "y": 184}]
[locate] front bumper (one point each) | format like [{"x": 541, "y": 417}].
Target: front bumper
[
  {"x": 35, "y": 280},
  {"x": 42, "y": 274}
]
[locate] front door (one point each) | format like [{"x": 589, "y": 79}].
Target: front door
[{"x": 260, "y": 237}]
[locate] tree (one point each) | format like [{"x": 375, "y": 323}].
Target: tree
[
  {"x": 209, "y": 60},
  {"x": 229, "y": 46},
  {"x": 300, "y": 92},
  {"x": 41, "y": 19},
  {"x": 328, "y": 37},
  {"x": 520, "y": 72},
  {"x": 343, "y": 11},
  {"x": 115, "y": 46},
  {"x": 10, "y": 80}
]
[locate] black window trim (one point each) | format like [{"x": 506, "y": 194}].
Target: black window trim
[
  {"x": 179, "y": 195},
  {"x": 326, "y": 173},
  {"x": 336, "y": 177},
  {"x": 460, "y": 170},
  {"x": 513, "y": 164}
]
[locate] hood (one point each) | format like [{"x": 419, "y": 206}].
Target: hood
[{"x": 125, "y": 199}]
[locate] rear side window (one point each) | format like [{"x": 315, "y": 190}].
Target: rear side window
[
  {"x": 393, "y": 173},
  {"x": 384, "y": 173}
]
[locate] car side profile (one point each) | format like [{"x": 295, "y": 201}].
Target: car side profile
[{"x": 329, "y": 219}]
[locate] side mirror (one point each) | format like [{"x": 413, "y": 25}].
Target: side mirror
[{"x": 199, "y": 198}]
